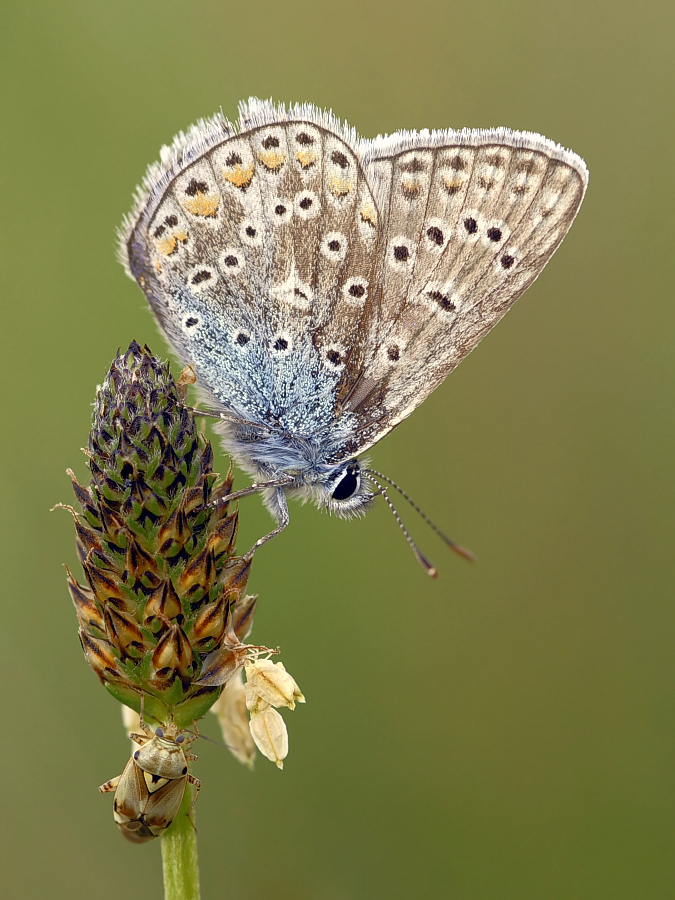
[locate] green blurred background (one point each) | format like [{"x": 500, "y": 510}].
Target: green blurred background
[{"x": 503, "y": 732}]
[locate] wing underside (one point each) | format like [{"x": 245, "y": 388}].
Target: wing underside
[{"x": 314, "y": 278}]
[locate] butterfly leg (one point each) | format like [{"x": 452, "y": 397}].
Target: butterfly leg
[
  {"x": 251, "y": 489},
  {"x": 276, "y": 503}
]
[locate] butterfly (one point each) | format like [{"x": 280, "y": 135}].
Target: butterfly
[{"x": 322, "y": 285}]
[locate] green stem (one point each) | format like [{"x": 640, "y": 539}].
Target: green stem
[{"x": 179, "y": 855}]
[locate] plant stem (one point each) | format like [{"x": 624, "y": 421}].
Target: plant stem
[{"x": 179, "y": 855}]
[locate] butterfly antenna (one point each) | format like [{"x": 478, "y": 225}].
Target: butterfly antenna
[
  {"x": 462, "y": 551},
  {"x": 429, "y": 567}
]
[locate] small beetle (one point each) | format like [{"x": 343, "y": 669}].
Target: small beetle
[{"x": 150, "y": 790}]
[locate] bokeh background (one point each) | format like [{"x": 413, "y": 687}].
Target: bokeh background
[{"x": 504, "y": 732}]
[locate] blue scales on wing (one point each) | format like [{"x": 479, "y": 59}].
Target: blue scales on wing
[{"x": 256, "y": 251}]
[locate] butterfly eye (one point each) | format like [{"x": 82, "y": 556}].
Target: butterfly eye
[
  {"x": 348, "y": 485},
  {"x": 159, "y": 732}
]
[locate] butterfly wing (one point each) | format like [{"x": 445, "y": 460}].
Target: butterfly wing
[
  {"x": 469, "y": 221},
  {"x": 325, "y": 285},
  {"x": 255, "y": 246}
]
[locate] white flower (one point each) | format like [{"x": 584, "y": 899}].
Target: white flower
[
  {"x": 272, "y": 683},
  {"x": 270, "y": 735},
  {"x": 230, "y": 708},
  {"x": 298, "y": 696},
  {"x": 254, "y": 702}
]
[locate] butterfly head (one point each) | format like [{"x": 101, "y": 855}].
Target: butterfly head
[{"x": 344, "y": 491}]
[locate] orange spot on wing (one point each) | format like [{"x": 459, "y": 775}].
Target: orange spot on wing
[
  {"x": 202, "y": 205},
  {"x": 306, "y": 158},
  {"x": 240, "y": 176},
  {"x": 168, "y": 244},
  {"x": 271, "y": 159},
  {"x": 452, "y": 185},
  {"x": 368, "y": 214},
  {"x": 339, "y": 186},
  {"x": 411, "y": 187}
]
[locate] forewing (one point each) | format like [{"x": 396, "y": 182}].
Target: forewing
[
  {"x": 256, "y": 249},
  {"x": 131, "y": 796},
  {"x": 471, "y": 218},
  {"x": 163, "y": 805}
]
